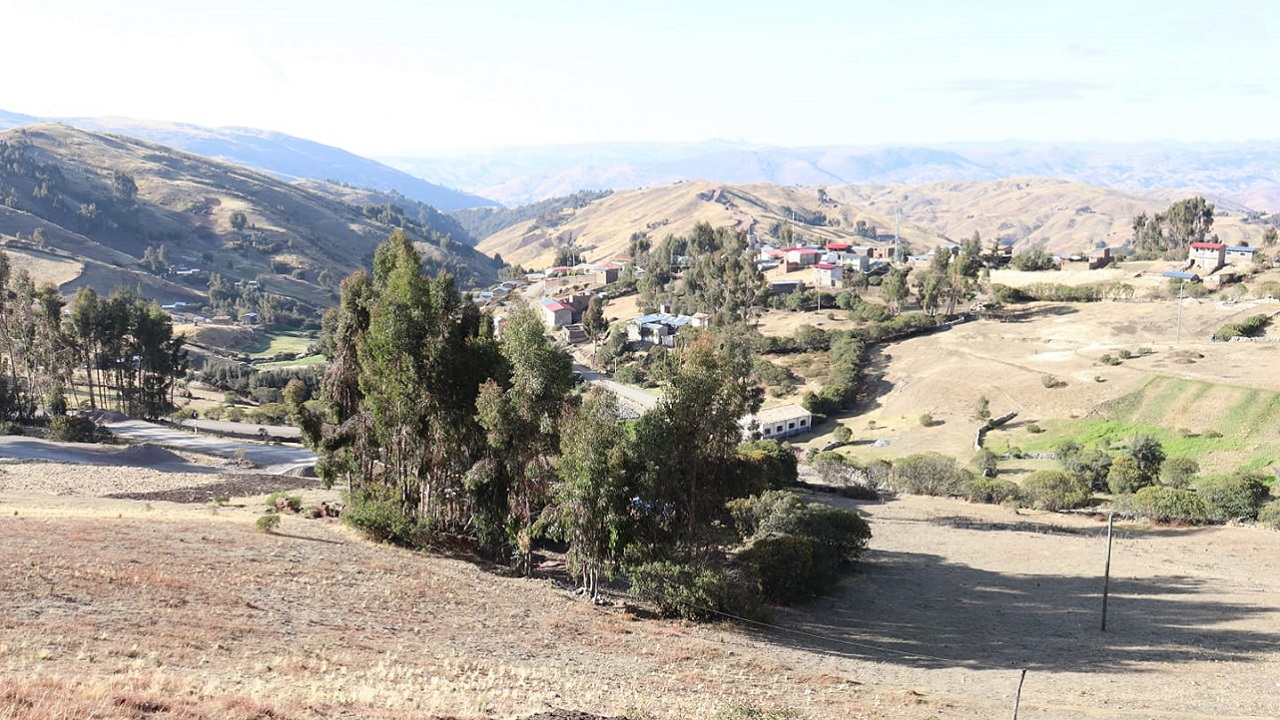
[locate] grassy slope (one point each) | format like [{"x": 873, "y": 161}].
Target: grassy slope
[{"x": 309, "y": 231}]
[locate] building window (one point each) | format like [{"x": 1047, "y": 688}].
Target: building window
[
  {"x": 791, "y": 426},
  {"x": 804, "y": 421}
]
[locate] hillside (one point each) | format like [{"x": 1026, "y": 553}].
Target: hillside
[
  {"x": 1244, "y": 173},
  {"x": 1064, "y": 216},
  {"x": 284, "y": 156},
  {"x": 111, "y": 203}
]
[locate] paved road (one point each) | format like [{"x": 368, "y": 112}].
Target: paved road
[
  {"x": 270, "y": 458},
  {"x": 634, "y": 397}
]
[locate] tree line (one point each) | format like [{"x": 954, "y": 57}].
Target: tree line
[
  {"x": 116, "y": 352},
  {"x": 438, "y": 426}
]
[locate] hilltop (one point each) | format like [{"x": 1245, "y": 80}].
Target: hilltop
[
  {"x": 89, "y": 209},
  {"x": 1063, "y": 216},
  {"x": 284, "y": 156}
]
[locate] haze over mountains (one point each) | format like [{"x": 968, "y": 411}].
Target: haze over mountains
[
  {"x": 285, "y": 156},
  {"x": 1244, "y": 173}
]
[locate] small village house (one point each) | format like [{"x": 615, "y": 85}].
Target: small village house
[
  {"x": 1207, "y": 257},
  {"x": 556, "y": 313},
  {"x": 827, "y": 275},
  {"x": 778, "y": 422}
]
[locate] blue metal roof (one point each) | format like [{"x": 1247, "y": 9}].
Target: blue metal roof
[{"x": 1180, "y": 275}]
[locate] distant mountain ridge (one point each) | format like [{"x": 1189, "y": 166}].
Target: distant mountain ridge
[
  {"x": 285, "y": 156},
  {"x": 1245, "y": 173}
]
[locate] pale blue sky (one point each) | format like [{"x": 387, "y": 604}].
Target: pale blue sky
[{"x": 385, "y": 77}]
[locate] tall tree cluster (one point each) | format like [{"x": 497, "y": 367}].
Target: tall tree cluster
[
  {"x": 721, "y": 278},
  {"x": 120, "y": 349},
  {"x": 1183, "y": 223},
  {"x": 438, "y": 426}
]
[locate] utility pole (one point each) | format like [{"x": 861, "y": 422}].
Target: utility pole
[
  {"x": 897, "y": 221},
  {"x": 1181, "y": 288}
]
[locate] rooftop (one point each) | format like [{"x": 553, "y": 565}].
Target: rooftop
[{"x": 781, "y": 413}]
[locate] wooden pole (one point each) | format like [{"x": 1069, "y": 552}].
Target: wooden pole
[
  {"x": 1017, "y": 698},
  {"x": 1106, "y": 577}
]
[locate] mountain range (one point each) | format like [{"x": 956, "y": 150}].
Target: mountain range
[
  {"x": 284, "y": 156},
  {"x": 1247, "y": 174}
]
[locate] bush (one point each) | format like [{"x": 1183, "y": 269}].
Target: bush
[
  {"x": 750, "y": 711},
  {"x": 9, "y": 427},
  {"x": 991, "y": 491},
  {"x": 1269, "y": 515},
  {"x": 926, "y": 420},
  {"x": 68, "y": 428},
  {"x": 1179, "y": 471},
  {"x": 1126, "y": 477},
  {"x": 1234, "y": 497},
  {"x": 376, "y": 512},
  {"x": 927, "y": 474},
  {"x": 268, "y": 523},
  {"x": 1055, "y": 490},
  {"x": 1034, "y": 429},
  {"x": 283, "y": 501},
  {"x": 683, "y": 591},
  {"x": 786, "y": 568},
  {"x": 1106, "y": 359},
  {"x": 1051, "y": 382},
  {"x": 843, "y": 434},
  {"x": 1125, "y": 355},
  {"x": 841, "y": 535},
  {"x": 1165, "y": 505}
]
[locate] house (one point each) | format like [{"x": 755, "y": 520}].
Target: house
[
  {"x": 1099, "y": 257},
  {"x": 573, "y": 334},
  {"x": 783, "y": 287},
  {"x": 658, "y": 328},
  {"x": 556, "y": 313},
  {"x": 606, "y": 274},
  {"x": 1207, "y": 256},
  {"x": 854, "y": 261},
  {"x": 799, "y": 258},
  {"x": 778, "y": 422},
  {"x": 838, "y": 247},
  {"x": 1235, "y": 254},
  {"x": 826, "y": 275},
  {"x": 1183, "y": 276}
]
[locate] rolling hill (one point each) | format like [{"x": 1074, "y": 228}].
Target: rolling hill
[
  {"x": 1061, "y": 215},
  {"x": 110, "y": 203},
  {"x": 284, "y": 156}
]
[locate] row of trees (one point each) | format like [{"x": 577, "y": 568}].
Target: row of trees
[
  {"x": 120, "y": 348},
  {"x": 438, "y": 427}
]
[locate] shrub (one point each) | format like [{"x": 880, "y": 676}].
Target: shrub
[
  {"x": 683, "y": 591},
  {"x": 843, "y": 434},
  {"x": 268, "y": 523},
  {"x": 1164, "y": 505},
  {"x": 9, "y": 427},
  {"x": 1055, "y": 490},
  {"x": 1125, "y": 354},
  {"x": 751, "y": 711},
  {"x": 68, "y": 428},
  {"x": 841, "y": 535},
  {"x": 1269, "y": 515},
  {"x": 786, "y": 568},
  {"x": 1178, "y": 471},
  {"x": 376, "y": 512},
  {"x": 985, "y": 463},
  {"x": 1107, "y": 359},
  {"x": 1126, "y": 477},
  {"x": 926, "y": 474},
  {"x": 991, "y": 491},
  {"x": 926, "y": 420},
  {"x": 1235, "y": 496},
  {"x": 1051, "y": 382},
  {"x": 283, "y": 501},
  {"x": 1034, "y": 429}
]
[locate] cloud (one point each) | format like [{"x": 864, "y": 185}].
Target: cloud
[{"x": 986, "y": 91}]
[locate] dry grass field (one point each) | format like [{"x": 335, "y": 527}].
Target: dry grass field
[{"x": 143, "y": 608}]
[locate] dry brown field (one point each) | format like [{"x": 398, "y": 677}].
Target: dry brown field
[{"x": 146, "y": 608}]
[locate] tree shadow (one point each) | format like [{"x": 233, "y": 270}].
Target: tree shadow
[
  {"x": 874, "y": 384},
  {"x": 919, "y": 610},
  {"x": 1019, "y": 314}
]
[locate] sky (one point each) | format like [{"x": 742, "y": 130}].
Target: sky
[{"x": 392, "y": 77}]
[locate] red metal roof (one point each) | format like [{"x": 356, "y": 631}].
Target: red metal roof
[
  {"x": 1207, "y": 246},
  {"x": 838, "y": 246},
  {"x": 825, "y": 266},
  {"x": 554, "y": 306}
]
